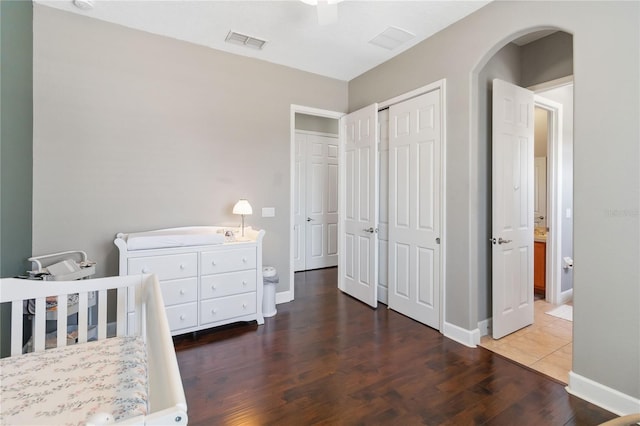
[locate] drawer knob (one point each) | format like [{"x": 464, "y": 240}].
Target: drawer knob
[
  {"x": 214, "y": 311},
  {"x": 244, "y": 305},
  {"x": 213, "y": 262},
  {"x": 213, "y": 287},
  {"x": 145, "y": 270},
  {"x": 182, "y": 266},
  {"x": 244, "y": 260},
  {"x": 183, "y": 317},
  {"x": 182, "y": 291},
  {"x": 244, "y": 282}
]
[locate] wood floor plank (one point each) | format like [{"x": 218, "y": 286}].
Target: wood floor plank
[{"x": 327, "y": 359}]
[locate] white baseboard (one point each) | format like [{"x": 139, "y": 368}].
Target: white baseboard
[
  {"x": 485, "y": 327},
  {"x": 283, "y": 297},
  {"x": 469, "y": 338},
  {"x": 565, "y": 296},
  {"x": 602, "y": 396},
  {"x": 383, "y": 295}
]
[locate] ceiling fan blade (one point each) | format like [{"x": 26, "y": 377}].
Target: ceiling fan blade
[{"x": 327, "y": 12}]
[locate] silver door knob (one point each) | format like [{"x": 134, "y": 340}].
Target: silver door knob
[
  {"x": 369, "y": 230},
  {"x": 501, "y": 241}
]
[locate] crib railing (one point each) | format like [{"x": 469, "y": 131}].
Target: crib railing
[{"x": 17, "y": 292}]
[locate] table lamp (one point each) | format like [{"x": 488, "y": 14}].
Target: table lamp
[{"x": 242, "y": 207}]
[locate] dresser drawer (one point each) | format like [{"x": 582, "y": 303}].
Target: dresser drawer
[
  {"x": 167, "y": 267},
  {"x": 227, "y": 284},
  {"x": 214, "y": 262},
  {"x": 182, "y": 316},
  {"x": 223, "y": 308},
  {"x": 175, "y": 292}
]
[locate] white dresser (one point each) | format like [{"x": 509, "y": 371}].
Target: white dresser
[{"x": 203, "y": 285}]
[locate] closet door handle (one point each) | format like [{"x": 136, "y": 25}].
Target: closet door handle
[{"x": 309, "y": 219}]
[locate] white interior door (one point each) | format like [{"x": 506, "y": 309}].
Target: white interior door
[
  {"x": 512, "y": 208},
  {"x": 357, "y": 271},
  {"x": 414, "y": 208},
  {"x": 299, "y": 200},
  {"x": 321, "y": 202}
]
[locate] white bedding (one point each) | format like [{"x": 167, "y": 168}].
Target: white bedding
[
  {"x": 174, "y": 237},
  {"x": 80, "y": 381}
]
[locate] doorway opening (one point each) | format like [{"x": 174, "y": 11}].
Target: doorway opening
[
  {"x": 546, "y": 343},
  {"x": 313, "y": 191}
]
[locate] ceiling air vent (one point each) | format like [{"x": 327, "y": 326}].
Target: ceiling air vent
[
  {"x": 391, "y": 38},
  {"x": 245, "y": 40}
]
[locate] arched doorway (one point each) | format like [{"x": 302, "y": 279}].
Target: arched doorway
[{"x": 539, "y": 59}]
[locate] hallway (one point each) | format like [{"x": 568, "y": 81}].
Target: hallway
[{"x": 545, "y": 346}]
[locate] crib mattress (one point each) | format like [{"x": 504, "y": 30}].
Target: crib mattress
[{"x": 65, "y": 386}]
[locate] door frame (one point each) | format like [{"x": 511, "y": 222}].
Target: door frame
[
  {"x": 287, "y": 296},
  {"x": 554, "y": 197},
  {"x": 442, "y": 85},
  {"x": 553, "y": 292}
]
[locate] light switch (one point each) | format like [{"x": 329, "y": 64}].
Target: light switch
[{"x": 268, "y": 212}]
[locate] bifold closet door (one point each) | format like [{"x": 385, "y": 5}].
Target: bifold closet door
[
  {"x": 357, "y": 269},
  {"x": 415, "y": 141}
]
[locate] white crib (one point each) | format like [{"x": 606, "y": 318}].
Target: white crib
[{"x": 140, "y": 323}]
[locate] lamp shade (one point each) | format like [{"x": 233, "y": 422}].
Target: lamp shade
[{"x": 242, "y": 207}]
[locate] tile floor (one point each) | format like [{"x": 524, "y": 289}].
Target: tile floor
[{"x": 545, "y": 346}]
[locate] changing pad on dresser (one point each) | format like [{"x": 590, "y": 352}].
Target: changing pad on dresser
[{"x": 173, "y": 237}]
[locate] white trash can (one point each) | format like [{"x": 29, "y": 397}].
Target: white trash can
[{"x": 270, "y": 280}]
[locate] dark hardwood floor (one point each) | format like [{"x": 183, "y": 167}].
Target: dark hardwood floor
[{"x": 328, "y": 359}]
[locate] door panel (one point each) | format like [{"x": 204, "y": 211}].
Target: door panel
[
  {"x": 358, "y": 272},
  {"x": 321, "y": 201},
  {"x": 512, "y": 210},
  {"x": 414, "y": 208},
  {"x": 315, "y": 201}
]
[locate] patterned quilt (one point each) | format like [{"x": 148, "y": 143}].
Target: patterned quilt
[{"x": 65, "y": 386}]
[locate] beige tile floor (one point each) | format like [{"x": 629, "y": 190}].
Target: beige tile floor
[{"x": 545, "y": 346}]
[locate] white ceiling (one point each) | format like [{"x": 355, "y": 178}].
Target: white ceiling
[{"x": 339, "y": 50}]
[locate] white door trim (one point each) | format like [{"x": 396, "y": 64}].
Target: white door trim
[
  {"x": 554, "y": 209},
  {"x": 442, "y": 85},
  {"x": 288, "y": 295}
]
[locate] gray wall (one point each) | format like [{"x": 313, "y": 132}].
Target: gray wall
[
  {"x": 546, "y": 59},
  {"x": 16, "y": 136},
  {"x": 317, "y": 124},
  {"x": 16, "y": 124},
  {"x": 607, "y": 226},
  {"x": 134, "y": 131}
]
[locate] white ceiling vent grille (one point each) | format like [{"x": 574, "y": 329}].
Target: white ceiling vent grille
[
  {"x": 245, "y": 40},
  {"x": 391, "y": 38}
]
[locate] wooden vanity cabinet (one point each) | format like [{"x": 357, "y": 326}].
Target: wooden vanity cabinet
[{"x": 539, "y": 267}]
